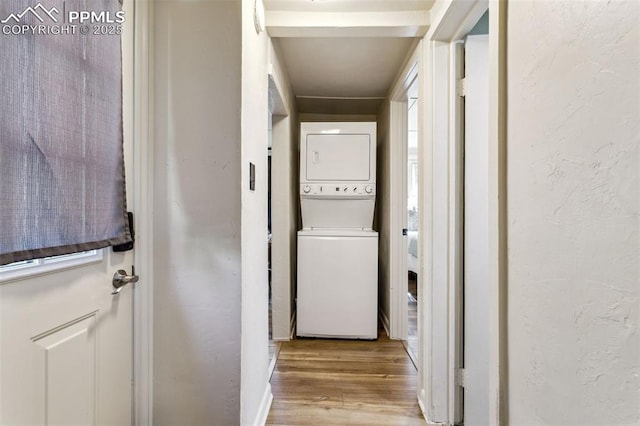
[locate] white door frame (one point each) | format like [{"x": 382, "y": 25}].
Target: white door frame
[
  {"x": 398, "y": 315},
  {"x": 143, "y": 199},
  {"x": 450, "y": 22},
  {"x": 282, "y": 246},
  {"x": 456, "y": 233}
]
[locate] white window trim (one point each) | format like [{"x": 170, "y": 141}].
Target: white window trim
[{"x": 48, "y": 265}]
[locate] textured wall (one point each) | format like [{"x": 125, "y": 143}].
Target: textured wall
[
  {"x": 573, "y": 204},
  {"x": 197, "y": 286}
]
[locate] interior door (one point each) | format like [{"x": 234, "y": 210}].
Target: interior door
[
  {"x": 65, "y": 340},
  {"x": 476, "y": 232}
]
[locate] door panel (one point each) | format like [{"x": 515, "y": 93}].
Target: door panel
[
  {"x": 65, "y": 340},
  {"x": 64, "y": 334},
  {"x": 64, "y": 365},
  {"x": 476, "y": 232}
]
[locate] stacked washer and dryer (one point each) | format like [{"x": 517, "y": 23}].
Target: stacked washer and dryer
[{"x": 337, "y": 293}]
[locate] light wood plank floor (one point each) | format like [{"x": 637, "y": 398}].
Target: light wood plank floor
[{"x": 344, "y": 382}]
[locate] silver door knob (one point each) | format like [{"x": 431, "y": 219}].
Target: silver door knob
[{"x": 121, "y": 279}]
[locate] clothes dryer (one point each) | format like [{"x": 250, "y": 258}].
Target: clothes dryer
[{"x": 337, "y": 248}]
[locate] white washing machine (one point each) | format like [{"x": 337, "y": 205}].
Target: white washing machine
[{"x": 337, "y": 248}]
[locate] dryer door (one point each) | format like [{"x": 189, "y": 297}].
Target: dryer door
[{"x": 338, "y": 157}]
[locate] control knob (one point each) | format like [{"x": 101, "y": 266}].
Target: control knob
[
  {"x": 368, "y": 189},
  {"x": 306, "y": 189}
]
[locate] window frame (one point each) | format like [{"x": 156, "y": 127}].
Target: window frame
[{"x": 48, "y": 265}]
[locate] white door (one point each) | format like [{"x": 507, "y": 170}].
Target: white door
[
  {"x": 476, "y": 232},
  {"x": 65, "y": 340}
]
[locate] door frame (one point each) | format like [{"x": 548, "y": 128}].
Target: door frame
[
  {"x": 281, "y": 245},
  {"x": 450, "y": 23},
  {"x": 283, "y": 196},
  {"x": 398, "y": 315},
  {"x": 143, "y": 199}
]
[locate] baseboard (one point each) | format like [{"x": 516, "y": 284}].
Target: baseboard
[
  {"x": 385, "y": 321},
  {"x": 265, "y": 406},
  {"x": 274, "y": 361},
  {"x": 424, "y": 411}
]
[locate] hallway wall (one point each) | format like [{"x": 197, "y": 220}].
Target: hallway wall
[
  {"x": 197, "y": 228},
  {"x": 573, "y": 213}
]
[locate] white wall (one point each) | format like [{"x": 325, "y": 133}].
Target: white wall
[
  {"x": 197, "y": 287},
  {"x": 573, "y": 206},
  {"x": 255, "y": 285}
]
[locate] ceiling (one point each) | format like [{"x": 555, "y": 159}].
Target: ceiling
[{"x": 345, "y": 74}]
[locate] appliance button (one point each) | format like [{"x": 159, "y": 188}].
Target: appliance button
[
  {"x": 306, "y": 189},
  {"x": 369, "y": 189}
]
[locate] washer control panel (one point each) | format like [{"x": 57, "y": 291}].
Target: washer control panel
[{"x": 337, "y": 190}]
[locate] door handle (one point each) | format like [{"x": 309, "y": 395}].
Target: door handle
[{"x": 121, "y": 279}]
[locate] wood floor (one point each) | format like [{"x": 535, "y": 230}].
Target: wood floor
[{"x": 344, "y": 382}]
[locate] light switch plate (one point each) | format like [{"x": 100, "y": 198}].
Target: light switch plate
[{"x": 252, "y": 176}]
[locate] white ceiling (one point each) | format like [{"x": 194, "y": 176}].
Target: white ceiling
[
  {"x": 343, "y": 67},
  {"x": 343, "y": 74}
]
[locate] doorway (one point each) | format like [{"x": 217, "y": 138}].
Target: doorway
[
  {"x": 282, "y": 215},
  {"x": 404, "y": 216},
  {"x": 273, "y": 347},
  {"x": 412, "y": 226}
]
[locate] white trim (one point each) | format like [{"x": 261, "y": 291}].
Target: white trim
[
  {"x": 398, "y": 315},
  {"x": 265, "y": 406},
  {"x": 452, "y": 20},
  {"x": 421, "y": 400},
  {"x": 425, "y": 241},
  {"x": 414, "y": 70},
  {"x": 143, "y": 202},
  {"x": 281, "y": 276},
  {"x": 456, "y": 230},
  {"x": 274, "y": 359},
  {"x": 497, "y": 211},
  {"x": 287, "y": 23},
  {"x": 407, "y": 75}
]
